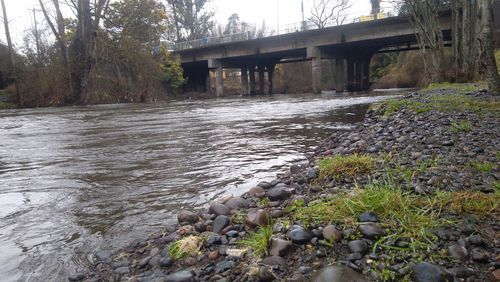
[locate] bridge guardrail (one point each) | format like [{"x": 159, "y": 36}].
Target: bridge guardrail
[{"x": 285, "y": 29}]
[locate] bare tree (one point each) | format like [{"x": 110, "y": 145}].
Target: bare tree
[
  {"x": 11, "y": 53},
  {"x": 325, "y": 12},
  {"x": 60, "y": 34},
  {"x": 487, "y": 47}
]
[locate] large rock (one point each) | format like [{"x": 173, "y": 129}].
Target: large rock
[
  {"x": 237, "y": 203},
  {"x": 338, "y": 274},
  {"x": 185, "y": 216},
  {"x": 426, "y": 272},
  {"x": 299, "y": 236},
  {"x": 331, "y": 234},
  {"x": 220, "y": 223},
  {"x": 219, "y": 209},
  {"x": 265, "y": 185},
  {"x": 280, "y": 247},
  {"x": 278, "y": 194},
  {"x": 181, "y": 276},
  {"x": 256, "y": 218}
]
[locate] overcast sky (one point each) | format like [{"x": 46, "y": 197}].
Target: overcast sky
[{"x": 252, "y": 11}]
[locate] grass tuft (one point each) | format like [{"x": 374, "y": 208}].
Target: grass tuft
[
  {"x": 483, "y": 167},
  {"x": 462, "y": 126},
  {"x": 349, "y": 165},
  {"x": 462, "y": 88},
  {"x": 259, "y": 240},
  {"x": 409, "y": 216},
  {"x": 185, "y": 247}
]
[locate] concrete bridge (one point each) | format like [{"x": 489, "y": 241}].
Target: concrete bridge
[{"x": 351, "y": 46}]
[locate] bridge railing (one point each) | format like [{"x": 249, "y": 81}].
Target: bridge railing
[{"x": 285, "y": 29}]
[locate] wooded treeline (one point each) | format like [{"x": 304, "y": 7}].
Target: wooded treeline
[{"x": 113, "y": 52}]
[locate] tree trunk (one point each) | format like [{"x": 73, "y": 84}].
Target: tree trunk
[
  {"x": 487, "y": 46},
  {"x": 19, "y": 98}
]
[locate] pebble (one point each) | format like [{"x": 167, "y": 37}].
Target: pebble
[
  {"x": 358, "y": 246},
  {"x": 280, "y": 247},
  {"x": 256, "y": 218},
  {"x": 371, "y": 230},
  {"x": 299, "y": 236},
  {"x": 368, "y": 217},
  {"x": 338, "y": 274},
  {"x": 237, "y": 203},
  {"x": 426, "y": 272},
  {"x": 223, "y": 266},
  {"x": 76, "y": 276},
  {"x": 458, "y": 252},
  {"x": 185, "y": 216},
  {"x": 220, "y": 223},
  {"x": 219, "y": 209},
  {"x": 180, "y": 276},
  {"x": 332, "y": 234},
  {"x": 278, "y": 194}
]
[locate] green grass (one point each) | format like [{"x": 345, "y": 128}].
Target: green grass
[
  {"x": 442, "y": 103},
  {"x": 409, "y": 216},
  {"x": 462, "y": 88},
  {"x": 185, "y": 247},
  {"x": 483, "y": 167},
  {"x": 348, "y": 165},
  {"x": 259, "y": 240},
  {"x": 462, "y": 126}
]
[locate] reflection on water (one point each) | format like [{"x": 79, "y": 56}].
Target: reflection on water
[{"x": 77, "y": 179}]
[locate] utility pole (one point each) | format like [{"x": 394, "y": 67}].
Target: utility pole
[
  {"x": 278, "y": 16},
  {"x": 303, "y": 19},
  {"x": 11, "y": 53}
]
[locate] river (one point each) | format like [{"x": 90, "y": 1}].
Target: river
[{"x": 74, "y": 180}]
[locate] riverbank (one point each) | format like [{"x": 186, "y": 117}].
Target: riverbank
[{"x": 412, "y": 193}]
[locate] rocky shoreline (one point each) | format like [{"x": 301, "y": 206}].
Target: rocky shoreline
[{"x": 411, "y": 194}]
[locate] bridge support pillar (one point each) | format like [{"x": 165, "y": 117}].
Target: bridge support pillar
[
  {"x": 270, "y": 77},
  {"x": 219, "y": 76},
  {"x": 358, "y": 76},
  {"x": 252, "y": 79},
  {"x": 314, "y": 53},
  {"x": 244, "y": 81},
  {"x": 365, "y": 82},
  {"x": 340, "y": 75},
  {"x": 261, "y": 79},
  {"x": 219, "y": 82},
  {"x": 351, "y": 74}
]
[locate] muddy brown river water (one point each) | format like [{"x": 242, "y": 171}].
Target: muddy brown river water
[{"x": 74, "y": 180}]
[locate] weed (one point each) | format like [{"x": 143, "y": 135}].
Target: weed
[
  {"x": 349, "y": 165},
  {"x": 462, "y": 126},
  {"x": 483, "y": 167},
  {"x": 238, "y": 217},
  {"x": 264, "y": 202},
  {"x": 185, "y": 247},
  {"x": 258, "y": 241}
]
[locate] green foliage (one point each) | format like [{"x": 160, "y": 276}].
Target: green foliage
[
  {"x": 409, "y": 216},
  {"x": 497, "y": 57},
  {"x": 5, "y": 106},
  {"x": 171, "y": 68},
  {"x": 238, "y": 217},
  {"x": 349, "y": 165},
  {"x": 185, "y": 247},
  {"x": 483, "y": 167},
  {"x": 462, "y": 126},
  {"x": 259, "y": 240}
]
